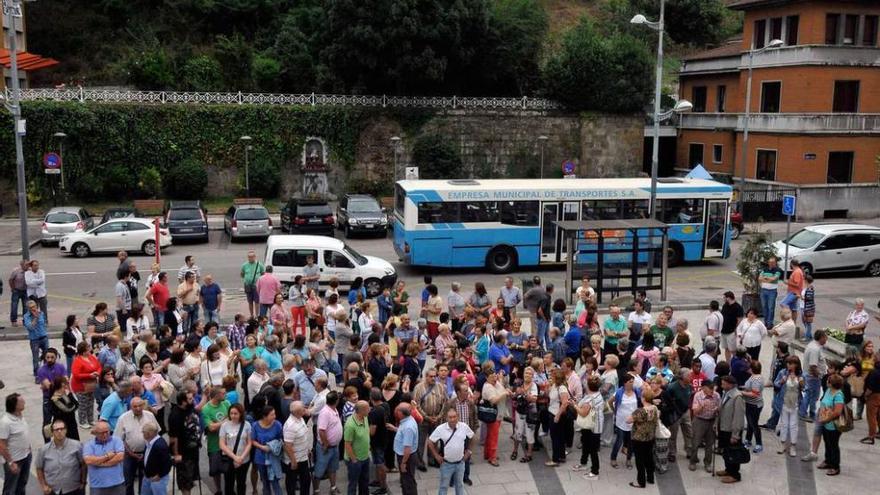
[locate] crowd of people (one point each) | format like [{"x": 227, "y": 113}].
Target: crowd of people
[{"x": 308, "y": 379}]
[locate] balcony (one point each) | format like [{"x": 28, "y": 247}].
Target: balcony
[
  {"x": 786, "y": 123},
  {"x": 825, "y": 55}
]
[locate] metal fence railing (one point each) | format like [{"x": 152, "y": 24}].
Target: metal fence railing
[{"x": 85, "y": 95}]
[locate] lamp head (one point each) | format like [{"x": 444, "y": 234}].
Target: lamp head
[
  {"x": 639, "y": 19},
  {"x": 60, "y": 135},
  {"x": 775, "y": 43},
  {"x": 245, "y": 138},
  {"x": 682, "y": 106},
  {"x": 543, "y": 138}
]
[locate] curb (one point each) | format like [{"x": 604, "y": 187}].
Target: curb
[{"x": 18, "y": 251}]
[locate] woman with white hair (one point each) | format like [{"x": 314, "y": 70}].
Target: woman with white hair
[{"x": 784, "y": 330}]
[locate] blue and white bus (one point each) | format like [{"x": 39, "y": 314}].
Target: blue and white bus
[{"x": 505, "y": 223}]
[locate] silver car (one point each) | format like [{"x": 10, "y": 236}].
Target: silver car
[
  {"x": 247, "y": 221},
  {"x": 63, "y": 220}
]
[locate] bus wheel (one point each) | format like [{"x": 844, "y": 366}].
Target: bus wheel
[
  {"x": 674, "y": 255},
  {"x": 501, "y": 260}
]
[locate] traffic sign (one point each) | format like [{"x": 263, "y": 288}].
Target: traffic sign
[
  {"x": 52, "y": 160},
  {"x": 789, "y": 204},
  {"x": 568, "y": 167}
]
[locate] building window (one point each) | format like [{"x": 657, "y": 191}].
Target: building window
[
  {"x": 776, "y": 28},
  {"x": 717, "y": 153},
  {"x": 766, "y": 165},
  {"x": 771, "y": 96},
  {"x": 721, "y": 96},
  {"x": 840, "y": 166},
  {"x": 791, "y": 34},
  {"x": 832, "y": 28},
  {"x": 760, "y": 33},
  {"x": 695, "y": 154},
  {"x": 869, "y": 33},
  {"x": 850, "y": 29},
  {"x": 699, "y": 98},
  {"x": 846, "y": 96}
]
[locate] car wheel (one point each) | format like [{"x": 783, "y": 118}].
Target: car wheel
[
  {"x": 81, "y": 250},
  {"x": 807, "y": 268},
  {"x": 874, "y": 268},
  {"x": 736, "y": 233},
  {"x": 373, "y": 287},
  {"x": 44, "y": 243},
  {"x": 149, "y": 248},
  {"x": 674, "y": 255},
  {"x": 347, "y": 231},
  {"x": 501, "y": 260}
]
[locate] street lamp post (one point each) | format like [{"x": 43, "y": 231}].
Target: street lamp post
[
  {"x": 745, "y": 149},
  {"x": 395, "y": 146},
  {"x": 18, "y": 125},
  {"x": 61, "y": 136},
  {"x": 543, "y": 141},
  {"x": 247, "y": 179}
]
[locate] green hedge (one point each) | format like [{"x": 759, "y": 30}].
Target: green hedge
[{"x": 117, "y": 151}]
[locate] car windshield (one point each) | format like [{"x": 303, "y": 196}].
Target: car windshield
[
  {"x": 252, "y": 214},
  {"x": 62, "y": 217},
  {"x": 361, "y": 260},
  {"x": 804, "y": 238},
  {"x": 314, "y": 210},
  {"x": 364, "y": 206},
  {"x": 185, "y": 214}
]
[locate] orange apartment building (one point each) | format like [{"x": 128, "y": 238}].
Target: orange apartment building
[{"x": 815, "y": 106}]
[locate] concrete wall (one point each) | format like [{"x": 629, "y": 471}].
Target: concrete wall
[{"x": 861, "y": 200}]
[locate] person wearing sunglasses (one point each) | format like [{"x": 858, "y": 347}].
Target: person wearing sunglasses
[{"x": 59, "y": 463}]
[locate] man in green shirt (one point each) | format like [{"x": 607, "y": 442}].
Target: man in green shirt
[
  {"x": 663, "y": 335},
  {"x": 250, "y": 273},
  {"x": 614, "y": 328},
  {"x": 356, "y": 435},
  {"x": 213, "y": 415}
]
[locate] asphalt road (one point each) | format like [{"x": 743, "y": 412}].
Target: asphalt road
[{"x": 75, "y": 285}]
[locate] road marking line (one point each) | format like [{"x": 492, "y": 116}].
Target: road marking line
[
  {"x": 71, "y": 298},
  {"x": 73, "y": 273}
]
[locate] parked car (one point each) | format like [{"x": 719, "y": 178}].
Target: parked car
[
  {"x": 287, "y": 254},
  {"x": 247, "y": 221},
  {"x": 126, "y": 234},
  {"x": 187, "y": 220},
  {"x": 307, "y": 216},
  {"x": 125, "y": 212},
  {"x": 63, "y": 220},
  {"x": 360, "y": 213},
  {"x": 834, "y": 247}
]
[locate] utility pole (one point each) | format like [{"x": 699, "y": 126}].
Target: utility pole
[{"x": 12, "y": 10}]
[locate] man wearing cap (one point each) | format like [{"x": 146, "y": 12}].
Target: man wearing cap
[{"x": 732, "y": 314}]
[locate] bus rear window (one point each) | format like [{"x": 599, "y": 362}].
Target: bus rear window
[{"x": 399, "y": 200}]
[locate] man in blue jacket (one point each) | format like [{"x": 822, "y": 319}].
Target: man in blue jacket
[{"x": 157, "y": 462}]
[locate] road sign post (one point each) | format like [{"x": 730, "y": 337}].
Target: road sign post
[
  {"x": 157, "y": 222},
  {"x": 789, "y": 208}
]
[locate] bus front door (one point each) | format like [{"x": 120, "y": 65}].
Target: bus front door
[{"x": 553, "y": 246}]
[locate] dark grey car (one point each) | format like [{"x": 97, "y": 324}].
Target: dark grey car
[
  {"x": 187, "y": 220},
  {"x": 361, "y": 213}
]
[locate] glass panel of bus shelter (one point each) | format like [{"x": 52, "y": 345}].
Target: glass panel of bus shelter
[
  {"x": 549, "y": 214},
  {"x": 569, "y": 212},
  {"x": 716, "y": 226}
]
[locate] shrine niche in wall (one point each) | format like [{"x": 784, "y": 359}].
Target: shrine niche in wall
[{"x": 314, "y": 167}]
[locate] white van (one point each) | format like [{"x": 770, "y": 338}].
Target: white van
[
  {"x": 834, "y": 247},
  {"x": 287, "y": 255}
]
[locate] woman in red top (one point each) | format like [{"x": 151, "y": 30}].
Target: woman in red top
[{"x": 83, "y": 380}]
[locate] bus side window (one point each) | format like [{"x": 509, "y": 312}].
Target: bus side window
[
  {"x": 520, "y": 212},
  {"x": 479, "y": 211},
  {"x": 438, "y": 212},
  {"x": 680, "y": 210}
]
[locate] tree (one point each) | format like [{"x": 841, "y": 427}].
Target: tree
[
  {"x": 187, "y": 180},
  {"x": 511, "y": 55},
  {"x": 436, "y": 157},
  {"x": 150, "y": 68},
  {"x": 266, "y": 72},
  {"x": 693, "y": 22},
  {"x": 591, "y": 71},
  {"x": 236, "y": 57},
  {"x": 202, "y": 73}
]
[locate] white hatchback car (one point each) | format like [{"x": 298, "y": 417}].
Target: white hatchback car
[
  {"x": 834, "y": 247},
  {"x": 123, "y": 234}
]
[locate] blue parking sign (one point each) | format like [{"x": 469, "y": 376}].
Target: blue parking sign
[{"x": 789, "y": 204}]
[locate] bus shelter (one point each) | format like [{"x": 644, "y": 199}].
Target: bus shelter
[{"x": 620, "y": 256}]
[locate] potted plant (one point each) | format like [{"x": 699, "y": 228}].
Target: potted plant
[{"x": 754, "y": 254}]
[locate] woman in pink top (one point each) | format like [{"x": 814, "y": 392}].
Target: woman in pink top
[
  {"x": 280, "y": 318},
  {"x": 645, "y": 352},
  {"x": 267, "y": 286}
]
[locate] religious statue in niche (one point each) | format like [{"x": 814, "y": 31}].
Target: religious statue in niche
[{"x": 314, "y": 167}]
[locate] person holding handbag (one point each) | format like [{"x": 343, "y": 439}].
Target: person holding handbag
[
  {"x": 590, "y": 421},
  {"x": 84, "y": 381},
  {"x": 750, "y": 333},
  {"x": 644, "y": 422},
  {"x": 730, "y": 427},
  {"x": 832, "y": 408},
  {"x": 496, "y": 395},
  {"x": 235, "y": 447}
]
